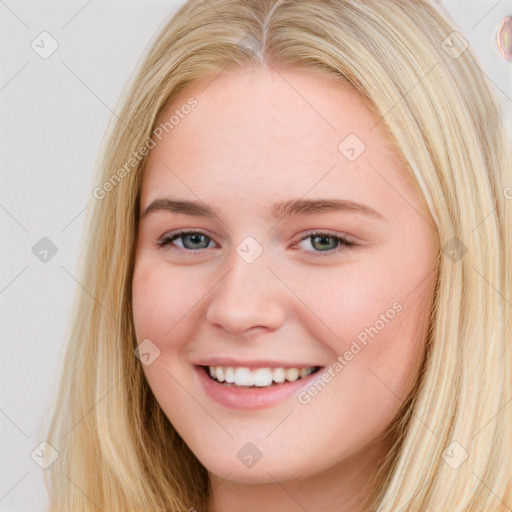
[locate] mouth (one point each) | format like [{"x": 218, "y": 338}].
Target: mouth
[{"x": 247, "y": 378}]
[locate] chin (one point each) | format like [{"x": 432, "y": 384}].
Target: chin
[{"x": 266, "y": 471}]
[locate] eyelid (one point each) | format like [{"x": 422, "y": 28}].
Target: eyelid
[
  {"x": 329, "y": 233},
  {"x": 344, "y": 241},
  {"x": 167, "y": 238}
]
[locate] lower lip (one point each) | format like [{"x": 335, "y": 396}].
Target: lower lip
[{"x": 253, "y": 398}]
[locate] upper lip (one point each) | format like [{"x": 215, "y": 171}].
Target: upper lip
[{"x": 255, "y": 363}]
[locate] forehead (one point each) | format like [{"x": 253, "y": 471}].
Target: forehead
[{"x": 263, "y": 133}]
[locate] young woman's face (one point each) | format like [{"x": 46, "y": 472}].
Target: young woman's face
[{"x": 306, "y": 247}]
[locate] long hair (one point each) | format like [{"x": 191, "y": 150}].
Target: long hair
[{"x": 117, "y": 451}]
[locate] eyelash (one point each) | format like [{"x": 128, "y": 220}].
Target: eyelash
[{"x": 167, "y": 240}]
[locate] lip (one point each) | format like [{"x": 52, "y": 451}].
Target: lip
[
  {"x": 251, "y": 399},
  {"x": 257, "y": 363}
]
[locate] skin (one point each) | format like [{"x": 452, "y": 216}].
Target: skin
[{"x": 257, "y": 137}]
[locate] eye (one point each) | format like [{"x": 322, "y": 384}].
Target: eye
[
  {"x": 327, "y": 242},
  {"x": 188, "y": 240},
  {"x": 321, "y": 242}
]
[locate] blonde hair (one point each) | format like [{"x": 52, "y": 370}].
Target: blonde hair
[{"x": 117, "y": 450}]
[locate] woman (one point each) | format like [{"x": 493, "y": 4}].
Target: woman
[{"x": 298, "y": 272}]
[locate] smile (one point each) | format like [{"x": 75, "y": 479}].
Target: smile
[{"x": 257, "y": 377}]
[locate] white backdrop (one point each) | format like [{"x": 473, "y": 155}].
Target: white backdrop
[{"x": 54, "y": 110}]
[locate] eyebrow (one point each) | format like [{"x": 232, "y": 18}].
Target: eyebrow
[{"x": 277, "y": 211}]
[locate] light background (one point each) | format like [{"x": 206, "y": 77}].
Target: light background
[{"x": 53, "y": 115}]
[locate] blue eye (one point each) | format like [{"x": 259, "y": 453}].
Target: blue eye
[
  {"x": 322, "y": 243},
  {"x": 190, "y": 240},
  {"x": 327, "y": 243}
]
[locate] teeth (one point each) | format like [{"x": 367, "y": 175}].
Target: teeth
[
  {"x": 229, "y": 375},
  {"x": 243, "y": 377},
  {"x": 303, "y": 372},
  {"x": 260, "y": 377},
  {"x": 279, "y": 375},
  {"x": 292, "y": 374}
]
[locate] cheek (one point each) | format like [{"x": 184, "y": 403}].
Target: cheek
[
  {"x": 379, "y": 313},
  {"x": 167, "y": 310},
  {"x": 149, "y": 297},
  {"x": 380, "y": 347},
  {"x": 163, "y": 311},
  {"x": 161, "y": 299}
]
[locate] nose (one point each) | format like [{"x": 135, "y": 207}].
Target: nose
[{"x": 248, "y": 299}]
